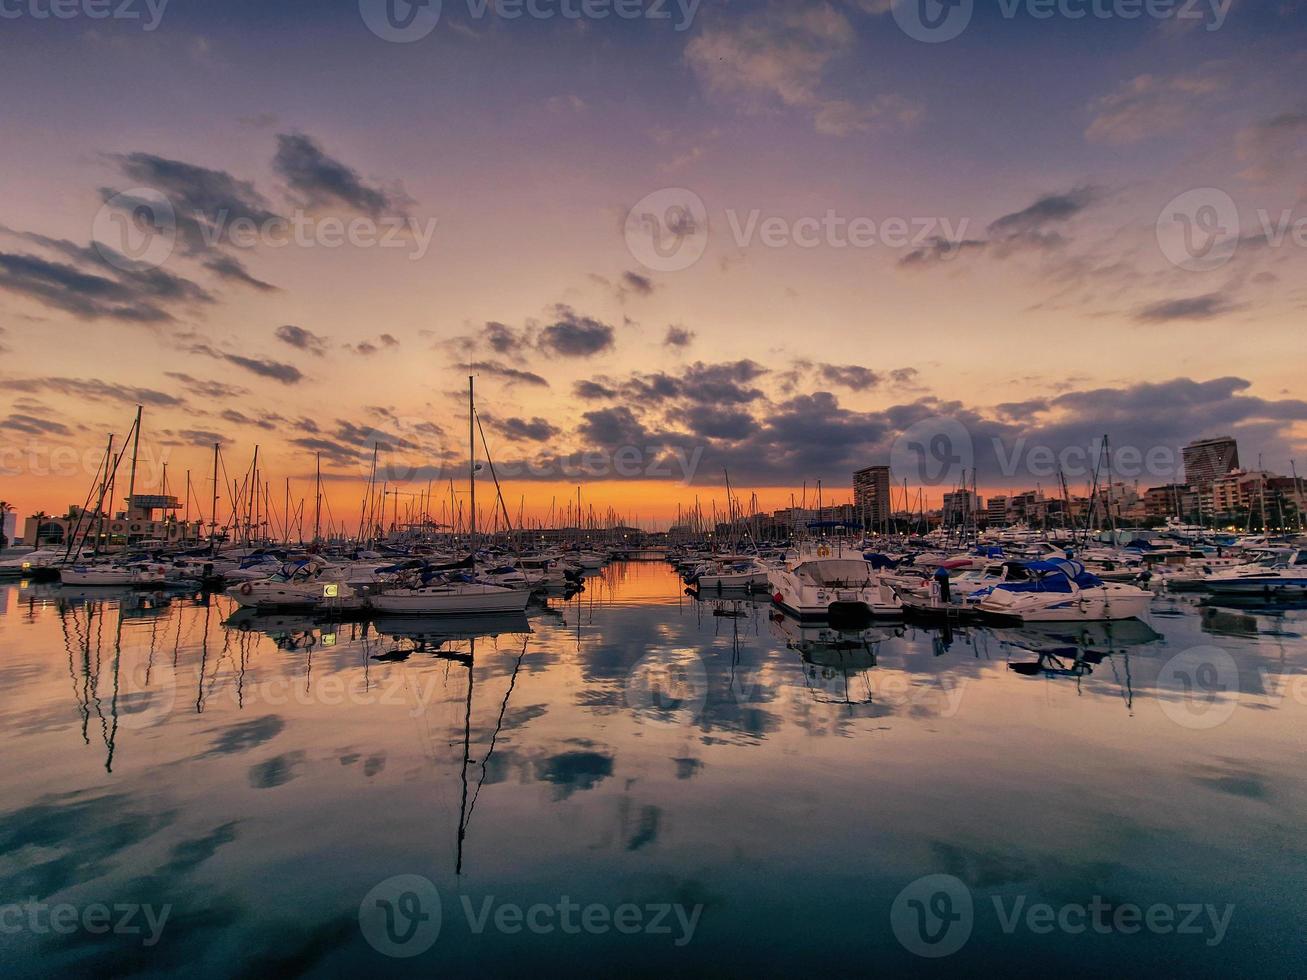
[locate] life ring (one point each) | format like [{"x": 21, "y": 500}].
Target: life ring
[
  {"x": 823, "y": 552},
  {"x": 135, "y": 528},
  {"x": 246, "y": 588}
]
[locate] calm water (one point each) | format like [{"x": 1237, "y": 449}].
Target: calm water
[{"x": 711, "y": 788}]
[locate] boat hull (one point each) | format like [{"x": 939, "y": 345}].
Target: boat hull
[{"x": 450, "y": 602}]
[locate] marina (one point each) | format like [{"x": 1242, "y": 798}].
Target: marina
[{"x": 761, "y": 488}]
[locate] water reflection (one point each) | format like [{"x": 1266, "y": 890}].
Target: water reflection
[{"x": 264, "y": 772}]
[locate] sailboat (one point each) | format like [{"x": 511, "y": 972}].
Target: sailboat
[{"x": 453, "y": 593}]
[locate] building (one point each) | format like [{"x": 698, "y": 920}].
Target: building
[
  {"x": 1208, "y": 459},
  {"x": 961, "y": 506},
  {"x": 996, "y": 512},
  {"x": 871, "y": 496},
  {"x": 149, "y": 519}
]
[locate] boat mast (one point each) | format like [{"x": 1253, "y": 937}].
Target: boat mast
[
  {"x": 136, "y": 444},
  {"x": 213, "y": 523},
  {"x": 317, "y": 500},
  {"x": 472, "y": 463}
]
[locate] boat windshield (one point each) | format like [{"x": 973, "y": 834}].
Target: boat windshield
[{"x": 836, "y": 572}]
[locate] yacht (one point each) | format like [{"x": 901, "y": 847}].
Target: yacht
[
  {"x": 451, "y": 597},
  {"x": 139, "y": 574},
  {"x": 306, "y": 584},
  {"x": 30, "y": 561},
  {"x": 1063, "y": 591},
  {"x": 1281, "y": 574},
  {"x": 832, "y": 583}
]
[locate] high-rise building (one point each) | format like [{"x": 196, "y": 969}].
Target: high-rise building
[
  {"x": 961, "y": 506},
  {"x": 871, "y": 496},
  {"x": 1208, "y": 459}
]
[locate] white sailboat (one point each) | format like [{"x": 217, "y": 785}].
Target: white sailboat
[{"x": 462, "y": 594}]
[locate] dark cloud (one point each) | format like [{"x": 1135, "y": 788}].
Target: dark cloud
[
  {"x": 206, "y": 203},
  {"x": 263, "y": 367},
  {"x": 94, "y": 389},
  {"x": 214, "y": 390},
  {"x": 573, "y": 335},
  {"x": 1035, "y": 226},
  {"x": 593, "y": 390},
  {"x": 634, "y": 282},
  {"x": 202, "y": 437},
  {"x": 1048, "y": 210},
  {"x": 678, "y": 337},
  {"x": 612, "y": 427},
  {"x": 503, "y": 339},
  {"x": 321, "y": 181},
  {"x": 1189, "y": 308},
  {"x": 84, "y": 295},
  {"x": 231, "y": 269},
  {"x": 33, "y": 426},
  {"x": 302, "y": 339},
  {"x": 510, "y": 374},
  {"x": 369, "y": 347},
  {"x": 938, "y": 250},
  {"x": 520, "y": 429},
  {"x": 849, "y": 376},
  {"x": 714, "y": 423}
]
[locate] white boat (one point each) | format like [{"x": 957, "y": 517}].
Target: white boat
[
  {"x": 830, "y": 584},
  {"x": 1063, "y": 591},
  {"x": 731, "y": 573},
  {"x": 30, "y": 561},
  {"x": 451, "y": 598},
  {"x": 306, "y": 584},
  {"x": 1279, "y": 575},
  {"x": 144, "y": 574}
]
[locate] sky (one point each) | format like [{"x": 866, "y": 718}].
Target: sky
[{"x": 779, "y": 240}]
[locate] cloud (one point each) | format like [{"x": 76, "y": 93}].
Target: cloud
[
  {"x": 212, "y": 390},
  {"x": 1033, "y": 221},
  {"x": 263, "y": 367},
  {"x": 1036, "y": 226},
  {"x": 849, "y": 376},
  {"x": 302, "y": 339},
  {"x": 519, "y": 429},
  {"x": 678, "y": 337},
  {"x": 85, "y": 295},
  {"x": 593, "y": 390},
  {"x": 778, "y": 57},
  {"x": 498, "y": 369},
  {"x": 573, "y": 335},
  {"x": 93, "y": 389},
  {"x": 1148, "y": 106},
  {"x": 1190, "y": 308},
  {"x": 205, "y": 202},
  {"x": 32, "y": 426},
  {"x": 368, "y": 347},
  {"x": 231, "y": 269},
  {"x": 321, "y": 181}
]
